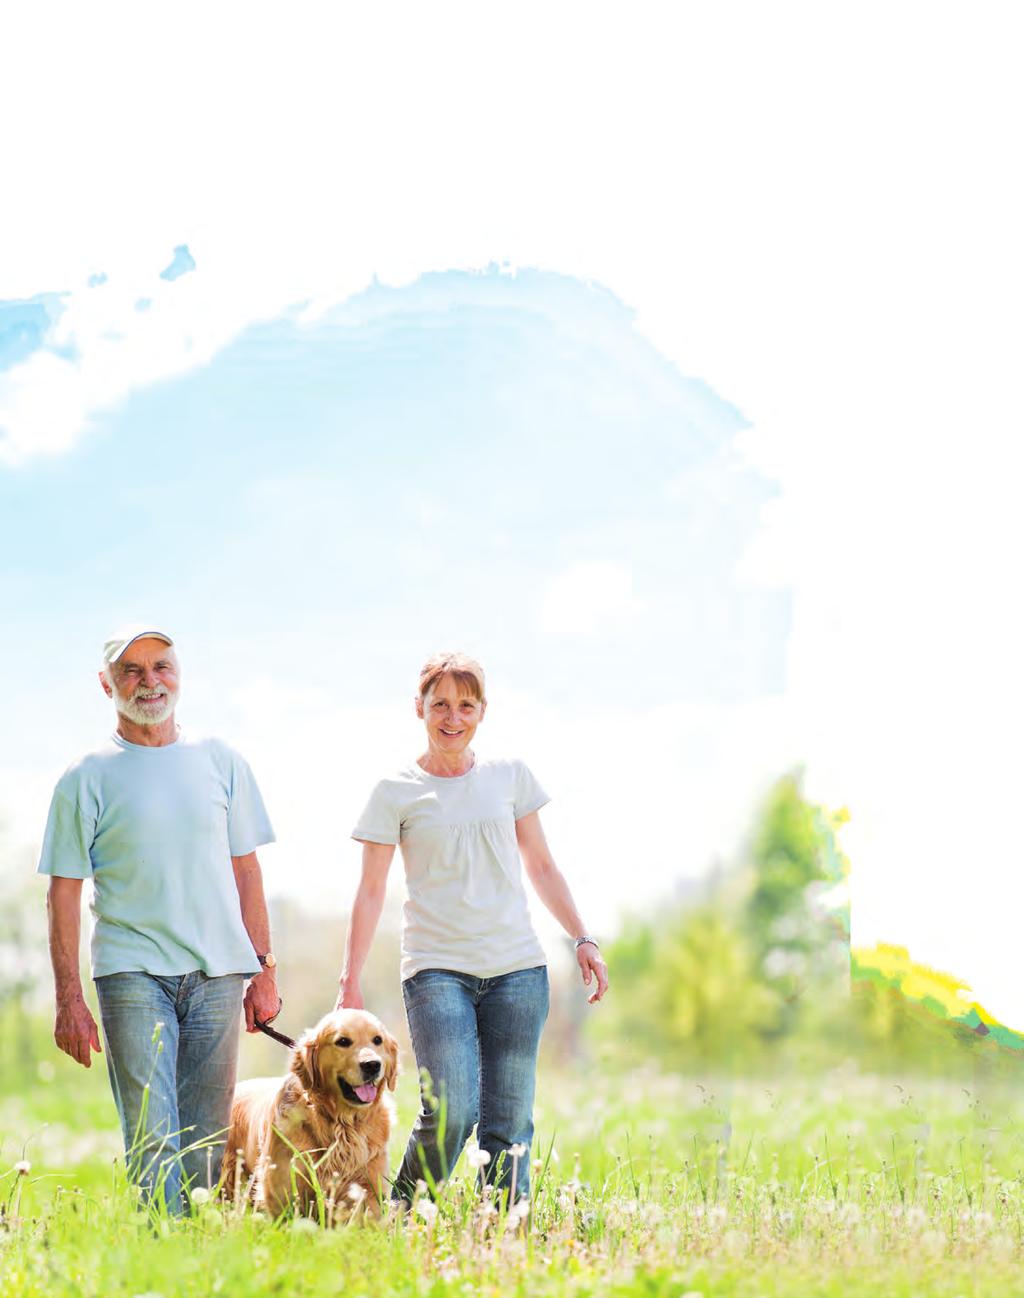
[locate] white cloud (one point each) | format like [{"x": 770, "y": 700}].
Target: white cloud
[{"x": 589, "y": 597}]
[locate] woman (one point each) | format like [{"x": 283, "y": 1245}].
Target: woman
[{"x": 474, "y": 976}]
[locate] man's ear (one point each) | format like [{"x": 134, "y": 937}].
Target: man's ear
[{"x": 106, "y": 685}]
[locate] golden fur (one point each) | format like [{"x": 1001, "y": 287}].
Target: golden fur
[{"x": 309, "y": 1112}]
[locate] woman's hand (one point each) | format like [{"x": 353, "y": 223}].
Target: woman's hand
[
  {"x": 350, "y": 997},
  {"x": 588, "y": 957}
]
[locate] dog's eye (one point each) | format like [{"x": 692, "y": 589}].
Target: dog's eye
[
  {"x": 378, "y": 1041},
  {"x": 343, "y": 1041}
]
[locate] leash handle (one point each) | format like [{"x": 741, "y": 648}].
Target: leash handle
[{"x": 272, "y": 1032}]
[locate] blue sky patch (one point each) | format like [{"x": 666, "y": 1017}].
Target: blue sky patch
[
  {"x": 26, "y": 325},
  {"x": 181, "y": 263}
]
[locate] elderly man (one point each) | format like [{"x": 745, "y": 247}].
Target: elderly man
[{"x": 166, "y": 826}]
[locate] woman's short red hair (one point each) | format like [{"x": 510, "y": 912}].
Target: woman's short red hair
[{"x": 466, "y": 672}]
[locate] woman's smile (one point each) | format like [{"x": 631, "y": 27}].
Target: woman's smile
[{"x": 451, "y": 712}]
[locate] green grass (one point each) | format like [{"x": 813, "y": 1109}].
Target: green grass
[{"x": 841, "y": 1183}]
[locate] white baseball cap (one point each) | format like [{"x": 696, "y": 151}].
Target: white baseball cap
[{"x": 119, "y": 642}]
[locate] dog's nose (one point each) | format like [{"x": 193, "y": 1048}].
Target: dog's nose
[{"x": 370, "y": 1068}]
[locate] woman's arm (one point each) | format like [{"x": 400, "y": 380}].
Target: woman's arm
[
  {"x": 362, "y": 924},
  {"x": 554, "y": 892}
]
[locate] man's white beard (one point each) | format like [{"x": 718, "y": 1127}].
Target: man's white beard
[{"x": 146, "y": 716}]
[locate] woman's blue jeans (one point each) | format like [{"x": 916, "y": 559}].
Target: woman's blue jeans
[
  {"x": 172, "y": 1087},
  {"x": 477, "y": 1038}
]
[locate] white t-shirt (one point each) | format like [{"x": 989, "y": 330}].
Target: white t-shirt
[{"x": 466, "y": 907}]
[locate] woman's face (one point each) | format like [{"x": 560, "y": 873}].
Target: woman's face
[{"x": 450, "y": 715}]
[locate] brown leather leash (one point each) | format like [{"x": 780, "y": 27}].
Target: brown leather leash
[{"x": 272, "y": 1032}]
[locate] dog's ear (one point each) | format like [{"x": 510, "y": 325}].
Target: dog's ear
[
  {"x": 391, "y": 1068},
  {"x": 306, "y": 1062}
]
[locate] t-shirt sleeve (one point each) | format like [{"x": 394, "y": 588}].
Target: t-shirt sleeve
[
  {"x": 70, "y": 829},
  {"x": 249, "y": 825},
  {"x": 529, "y": 796},
  {"x": 381, "y": 821}
]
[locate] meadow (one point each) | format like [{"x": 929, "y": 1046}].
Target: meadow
[
  {"x": 728, "y": 1123},
  {"x": 645, "y": 1183}
]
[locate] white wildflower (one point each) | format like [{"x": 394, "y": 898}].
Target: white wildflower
[
  {"x": 23, "y": 1167},
  {"x": 477, "y": 1157},
  {"x": 427, "y": 1209}
]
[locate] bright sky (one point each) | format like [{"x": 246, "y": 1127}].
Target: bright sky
[{"x": 731, "y": 246}]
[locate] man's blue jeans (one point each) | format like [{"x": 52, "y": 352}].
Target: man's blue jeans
[
  {"x": 477, "y": 1038},
  {"x": 174, "y": 1087}
]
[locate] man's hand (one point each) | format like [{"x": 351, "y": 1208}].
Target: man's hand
[
  {"x": 261, "y": 1000},
  {"x": 75, "y": 1030},
  {"x": 588, "y": 957}
]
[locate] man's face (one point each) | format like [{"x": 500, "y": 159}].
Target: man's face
[{"x": 144, "y": 682}]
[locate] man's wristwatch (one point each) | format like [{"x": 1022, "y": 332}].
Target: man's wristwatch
[
  {"x": 580, "y": 941},
  {"x": 267, "y": 961}
]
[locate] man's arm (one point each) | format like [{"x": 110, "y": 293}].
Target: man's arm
[
  {"x": 261, "y": 998},
  {"x": 74, "y": 1029}
]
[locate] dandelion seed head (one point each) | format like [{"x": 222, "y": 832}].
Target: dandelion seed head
[
  {"x": 477, "y": 1157},
  {"x": 23, "y": 1167},
  {"x": 427, "y": 1209},
  {"x": 357, "y": 1193}
]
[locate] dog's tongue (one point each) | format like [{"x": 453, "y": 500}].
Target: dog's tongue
[{"x": 366, "y": 1092}]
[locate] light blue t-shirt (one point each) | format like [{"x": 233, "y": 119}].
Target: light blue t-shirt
[{"x": 155, "y": 829}]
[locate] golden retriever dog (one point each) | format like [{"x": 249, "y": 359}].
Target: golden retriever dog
[{"x": 331, "y": 1108}]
